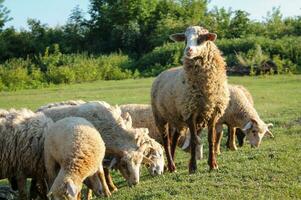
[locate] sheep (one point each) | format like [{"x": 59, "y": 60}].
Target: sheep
[
  {"x": 73, "y": 151},
  {"x": 241, "y": 113},
  {"x": 142, "y": 116},
  {"x": 21, "y": 149},
  {"x": 155, "y": 161},
  {"x": 192, "y": 96},
  {"x": 125, "y": 148}
]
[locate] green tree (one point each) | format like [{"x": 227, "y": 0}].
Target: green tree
[
  {"x": 239, "y": 24},
  {"x": 3, "y": 15}
]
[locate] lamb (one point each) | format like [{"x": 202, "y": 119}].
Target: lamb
[
  {"x": 74, "y": 151},
  {"x": 21, "y": 149},
  {"x": 192, "y": 96},
  {"x": 241, "y": 113},
  {"x": 142, "y": 116},
  {"x": 125, "y": 148}
]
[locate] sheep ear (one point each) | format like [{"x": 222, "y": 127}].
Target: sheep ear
[
  {"x": 254, "y": 121},
  {"x": 247, "y": 126},
  {"x": 269, "y": 125},
  {"x": 177, "y": 37},
  {"x": 71, "y": 188},
  {"x": 211, "y": 36},
  {"x": 269, "y": 133},
  {"x": 187, "y": 140}
]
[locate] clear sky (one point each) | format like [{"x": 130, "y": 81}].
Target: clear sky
[{"x": 56, "y": 12}]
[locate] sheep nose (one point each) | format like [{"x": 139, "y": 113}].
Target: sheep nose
[{"x": 189, "y": 50}]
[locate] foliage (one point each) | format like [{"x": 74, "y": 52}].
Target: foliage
[
  {"x": 53, "y": 67},
  {"x": 3, "y": 15},
  {"x": 161, "y": 58}
]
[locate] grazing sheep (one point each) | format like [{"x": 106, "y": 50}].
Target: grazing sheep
[
  {"x": 241, "y": 113},
  {"x": 142, "y": 116},
  {"x": 125, "y": 148},
  {"x": 192, "y": 96},
  {"x": 21, "y": 149},
  {"x": 73, "y": 151}
]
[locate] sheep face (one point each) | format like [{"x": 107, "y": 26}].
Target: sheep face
[
  {"x": 255, "y": 130},
  {"x": 67, "y": 191},
  {"x": 129, "y": 166},
  {"x": 195, "y": 38},
  {"x": 155, "y": 162},
  {"x": 94, "y": 183}
]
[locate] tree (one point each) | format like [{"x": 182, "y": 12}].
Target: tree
[
  {"x": 75, "y": 31},
  {"x": 239, "y": 25},
  {"x": 3, "y": 15}
]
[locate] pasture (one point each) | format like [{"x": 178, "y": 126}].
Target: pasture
[{"x": 271, "y": 172}]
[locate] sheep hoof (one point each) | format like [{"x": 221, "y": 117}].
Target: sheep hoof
[
  {"x": 172, "y": 168},
  {"x": 233, "y": 148},
  {"x": 192, "y": 168},
  {"x": 107, "y": 194}
]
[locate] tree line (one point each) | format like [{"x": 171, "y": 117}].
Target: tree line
[{"x": 139, "y": 30}]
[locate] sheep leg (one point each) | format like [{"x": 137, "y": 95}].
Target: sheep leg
[
  {"x": 174, "y": 142},
  {"x": 193, "y": 142},
  {"x": 88, "y": 194},
  {"x": 240, "y": 136},
  {"x": 166, "y": 143},
  {"x": 109, "y": 180},
  {"x": 232, "y": 144},
  {"x": 33, "y": 189},
  {"x": 211, "y": 142},
  {"x": 21, "y": 182},
  {"x": 103, "y": 181},
  {"x": 219, "y": 136}
]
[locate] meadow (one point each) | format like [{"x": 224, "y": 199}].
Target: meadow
[{"x": 271, "y": 172}]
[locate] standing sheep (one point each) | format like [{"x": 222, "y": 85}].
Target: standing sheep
[
  {"x": 192, "y": 96},
  {"x": 124, "y": 147},
  {"x": 241, "y": 113},
  {"x": 73, "y": 152}
]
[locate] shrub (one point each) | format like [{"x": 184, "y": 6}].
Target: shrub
[{"x": 161, "y": 58}]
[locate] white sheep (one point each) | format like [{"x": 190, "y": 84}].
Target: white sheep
[
  {"x": 192, "y": 96},
  {"x": 125, "y": 148},
  {"x": 141, "y": 115},
  {"x": 241, "y": 113},
  {"x": 74, "y": 151}
]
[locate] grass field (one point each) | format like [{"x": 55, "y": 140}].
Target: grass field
[{"x": 271, "y": 172}]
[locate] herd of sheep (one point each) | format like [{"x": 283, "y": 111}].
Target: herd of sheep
[{"x": 64, "y": 145}]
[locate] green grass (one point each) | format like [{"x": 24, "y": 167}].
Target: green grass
[{"x": 271, "y": 172}]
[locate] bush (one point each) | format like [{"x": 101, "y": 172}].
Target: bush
[{"x": 161, "y": 58}]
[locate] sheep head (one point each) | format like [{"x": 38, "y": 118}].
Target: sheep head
[
  {"x": 67, "y": 191},
  {"x": 93, "y": 182},
  {"x": 255, "y": 130},
  {"x": 195, "y": 38},
  {"x": 153, "y": 153}
]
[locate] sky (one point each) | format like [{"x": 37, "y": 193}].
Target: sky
[{"x": 56, "y": 12}]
